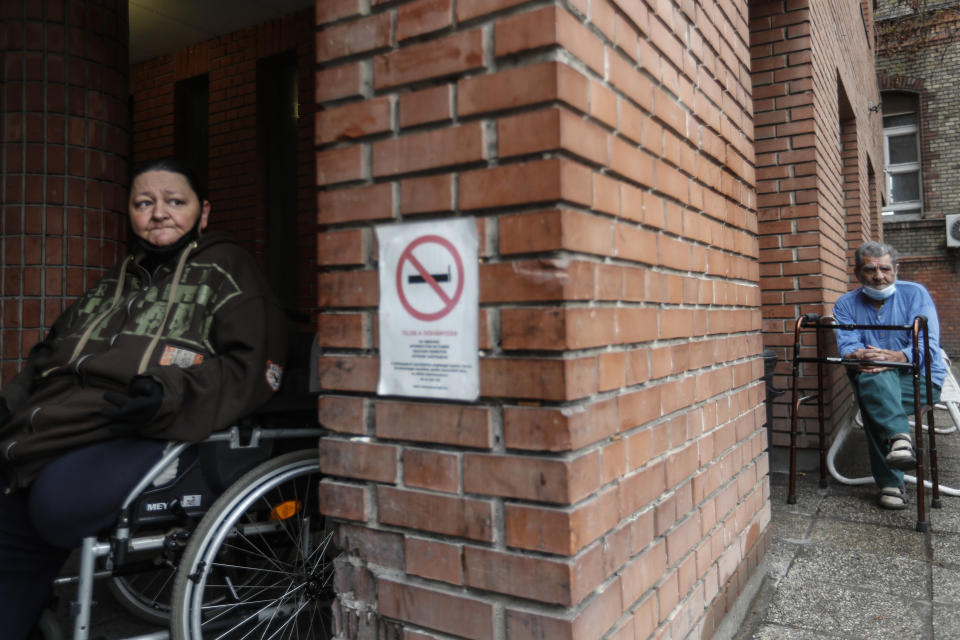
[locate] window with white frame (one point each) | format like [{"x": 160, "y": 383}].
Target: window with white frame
[{"x": 901, "y": 150}]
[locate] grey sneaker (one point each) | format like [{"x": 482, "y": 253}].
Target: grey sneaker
[
  {"x": 893, "y": 497},
  {"x": 902, "y": 455}
]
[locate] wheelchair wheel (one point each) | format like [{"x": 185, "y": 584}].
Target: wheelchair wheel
[
  {"x": 259, "y": 564},
  {"x": 145, "y": 595}
]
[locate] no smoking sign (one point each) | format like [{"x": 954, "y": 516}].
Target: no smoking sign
[
  {"x": 430, "y": 278},
  {"x": 428, "y": 309}
]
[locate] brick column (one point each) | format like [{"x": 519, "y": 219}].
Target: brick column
[
  {"x": 611, "y": 479},
  {"x": 815, "y": 140},
  {"x": 63, "y": 169}
]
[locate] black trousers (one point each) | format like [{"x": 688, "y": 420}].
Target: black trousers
[{"x": 75, "y": 496}]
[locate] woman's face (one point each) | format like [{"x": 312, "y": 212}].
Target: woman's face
[{"x": 163, "y": 207}]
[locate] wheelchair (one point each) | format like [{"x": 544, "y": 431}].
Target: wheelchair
[{"x": 231, "y": 546}]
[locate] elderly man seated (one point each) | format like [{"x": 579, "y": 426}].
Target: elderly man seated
[{"x": 885, "y": 394}]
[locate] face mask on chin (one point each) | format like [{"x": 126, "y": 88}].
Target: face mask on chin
[
  {"x": 879, "y": 294},
  {"x": 173, "y": 248}
]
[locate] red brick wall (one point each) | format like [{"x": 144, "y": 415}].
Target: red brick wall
[
  {"x": 234, "y": 182},
  {"x": 921, "y": 54},
  {"x": 816, "y": 142},
  {"x": 63, "y": 145},
  {"x": 940, "y": 277},
  {"x": 611, "y": 479}
]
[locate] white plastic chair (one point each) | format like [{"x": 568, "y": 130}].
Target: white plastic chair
[
  {"x": 949, "y": 401},
  {"x": 950, "y": 395}
]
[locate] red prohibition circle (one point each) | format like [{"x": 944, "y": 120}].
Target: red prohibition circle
[{"x": 449, "y": 302}]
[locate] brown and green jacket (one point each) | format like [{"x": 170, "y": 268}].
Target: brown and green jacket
[{"x": 204, "y": 325}]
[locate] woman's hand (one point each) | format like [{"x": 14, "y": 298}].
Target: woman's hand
[{"x": 135, "y": 409}]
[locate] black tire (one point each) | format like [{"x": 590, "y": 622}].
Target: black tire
[
  {"x": 145, "y": 595},
  {"x": 251, "y": 571}
]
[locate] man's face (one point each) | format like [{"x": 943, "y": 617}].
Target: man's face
[{"x": 878, "y": 273}]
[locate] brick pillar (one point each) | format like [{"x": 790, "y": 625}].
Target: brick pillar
[
  {"x": 790, "y": 258},
  {"x": 611, "y": 479},
  {"x": 64, "y": 162},
  {"x": 815, "y": 139}
]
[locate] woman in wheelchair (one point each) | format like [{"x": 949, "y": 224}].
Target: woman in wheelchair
[{"x": 181, "y": 339}]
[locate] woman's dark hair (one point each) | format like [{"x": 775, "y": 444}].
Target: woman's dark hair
[{"x": 173, "y": 165}]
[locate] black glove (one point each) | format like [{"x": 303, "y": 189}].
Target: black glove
[
  {"x": 4, "y": 412},
  {"x": 136, "y": 408}
]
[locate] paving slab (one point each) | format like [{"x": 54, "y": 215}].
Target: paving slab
[
  {"x": 841, "y": 568},
  {"x": 841, "y": 611}
]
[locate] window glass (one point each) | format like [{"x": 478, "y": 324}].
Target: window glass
[
  {"x": 903, "y": 148},
  {"x": 904, "y": 187},
  {"x": 900, "y": 120},
  {"x": 901, "y": 135}
]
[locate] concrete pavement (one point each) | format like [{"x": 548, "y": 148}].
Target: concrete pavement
[{"x": 839, "y": 567}]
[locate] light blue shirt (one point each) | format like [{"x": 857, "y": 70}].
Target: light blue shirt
[{"x": 907, "y": 302}]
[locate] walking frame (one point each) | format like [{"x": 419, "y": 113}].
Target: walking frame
[{"x": 812, "y": 321}]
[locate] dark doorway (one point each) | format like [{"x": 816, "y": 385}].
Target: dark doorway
[
  {"x": 277, "y": 114},
  {"x": 192, "y": 125}
]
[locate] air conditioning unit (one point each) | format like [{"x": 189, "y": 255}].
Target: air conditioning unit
[{"x": 953, "y": 230}]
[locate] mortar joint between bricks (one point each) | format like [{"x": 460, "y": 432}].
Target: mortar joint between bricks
[
  {"x": 371, "y": 512},
  {"x": 367, "y": 160},
  {"x": 491, "y": 141},
  {"x": 369, "y": 409},
  {"x": 366, "y": 78},
  {"x": 498, "y": 526},
  {"x": 452, "y": 98},
  {"x": 488, "y": 47},
  {"x": 395, "y": 204},
  {"x": 394, "y": 102},
  {"x": 499, "y": 621},
  {"x": 496, "y": 428},
  {"x": 492, "y": 229}
]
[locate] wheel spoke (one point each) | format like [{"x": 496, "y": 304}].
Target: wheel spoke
[
  {"x": 269, "y": 555},
  {"x": 255, "y": 615},
  {"x": 255, "y": 577},
  {"x": 290, "y": 619},
  {"x": 238, "y": 567}
]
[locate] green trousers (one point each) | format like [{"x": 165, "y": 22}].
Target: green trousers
[{"x": 886, "y": 404}]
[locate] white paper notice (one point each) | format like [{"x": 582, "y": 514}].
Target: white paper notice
[{"x": 428, "y": 309}]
